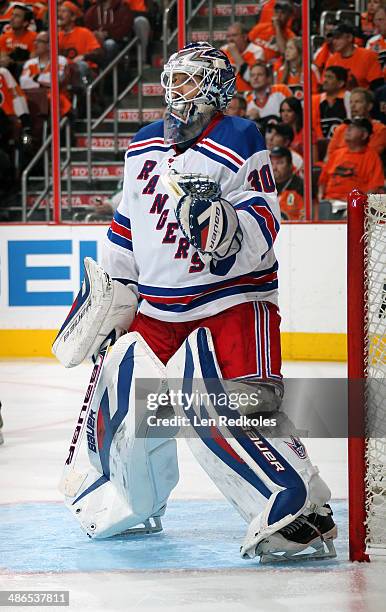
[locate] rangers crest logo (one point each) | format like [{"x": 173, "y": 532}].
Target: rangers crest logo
[{"x": 297, "y": 447}]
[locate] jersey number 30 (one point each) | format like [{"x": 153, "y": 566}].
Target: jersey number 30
[{"x": 262, "y": 180}]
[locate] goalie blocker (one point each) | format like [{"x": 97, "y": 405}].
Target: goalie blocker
[{"x": 207, "y": 221}]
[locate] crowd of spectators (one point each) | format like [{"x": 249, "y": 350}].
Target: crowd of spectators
[
  {"x": 348, "y": 137},
  {"x": 347, "y": 84},
  {"x": 91, "y": 33}
]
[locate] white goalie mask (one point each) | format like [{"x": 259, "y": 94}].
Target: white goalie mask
[{"x": 198, "y": 81}]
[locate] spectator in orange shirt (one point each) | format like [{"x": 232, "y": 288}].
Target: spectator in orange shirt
[
  {"x": 289, "y": 186},
  {"x": 267, "y": 10},
  {"x": 378, "y": 42},
  {"x": 17, "y": 43},
  {"x": 322, "y": 54},
  {"x": 291, "y": 71},
  {"x": 12, "y": 99},
  {"x": 361, "y": 105},
  {"x": 264, "y": 99},
  {"x": 76, "y": 43},
  {"x": 331, "y": 107},
  {"x": 36, "y": 73},
  {"x": 362, "y": 64},
  {"x": 242, "y": 54},
  {"x": 354, "y": 165},
  {"x": 272, "y": 36},
  {"x": 291, "y": 112},
  {"x": 237, "y": 106},
  {"x": 368, "y": 25},
  {"x": 14, "y": 104}
]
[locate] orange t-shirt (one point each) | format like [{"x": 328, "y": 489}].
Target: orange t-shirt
[
  {"x": 321, "y": 56},
  {"x": 363, "y": 66},
  {"x": 291, "y": 205},
  {"x": 32, "y": 69},
  {"x": 264, "y": 35},
  {"x": 378, "y": 45},
  {"x": 9, "y": 90},
  {"x": 377, "y": 140},
  {"x": 316, "y": 124},
  {"x": 268, "y": 11},
  {"x": 290, "y": 196},
  {"x": 297, "y": 142},
  {"x": 346, "y": 170},
  {"x": 9, "y": 41},
  {"x": 79, "y": 41},
  {"x": 137, "y": 5},
  {"x": 251, "y": 55},
  {"x": 297, "y": 79}
]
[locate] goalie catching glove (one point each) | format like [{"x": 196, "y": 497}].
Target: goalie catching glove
[
  {"x": 102, "y": 307},
  {"x": 207, "y": 221}
]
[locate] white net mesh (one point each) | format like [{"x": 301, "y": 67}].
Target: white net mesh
[{"x": 375, "y": 335}]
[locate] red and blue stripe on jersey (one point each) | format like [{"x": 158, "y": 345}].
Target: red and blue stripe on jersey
[
  {"x": 232, "y": 141},
  {"x": 259, "y": 209},
  {"x": 120, "y": 231},
  {"x": 188, "y": 298},
  {"x": 147, "y": 139}
]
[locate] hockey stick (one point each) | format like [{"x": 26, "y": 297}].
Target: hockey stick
[{"x": 71, "y": 480}]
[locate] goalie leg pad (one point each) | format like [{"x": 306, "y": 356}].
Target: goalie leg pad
[
  {"x": 268, "y": 480},
  {"x": 132, "y": 472}
]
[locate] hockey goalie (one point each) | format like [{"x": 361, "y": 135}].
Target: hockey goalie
[{"x": 187, "y": 290}]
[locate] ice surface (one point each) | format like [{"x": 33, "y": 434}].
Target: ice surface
[{"x": 194, "y": 564}]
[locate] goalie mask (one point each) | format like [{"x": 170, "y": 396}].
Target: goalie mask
[{"x": 198, "y": 81}]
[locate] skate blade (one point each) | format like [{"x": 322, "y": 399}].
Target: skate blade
[
  {"x": 324, "y": 549},
  {"x": 151, "y": 525},
  {"x": 1, "y": 438}
]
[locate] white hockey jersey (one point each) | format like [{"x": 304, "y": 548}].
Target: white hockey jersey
[{"x": 145, "y": 245}]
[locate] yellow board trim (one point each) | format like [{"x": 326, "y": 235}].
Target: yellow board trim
[
  {"x": 295, "y": 345},
  {"x": 306, "y": 346},
  {"x": 26, "y": 342}
]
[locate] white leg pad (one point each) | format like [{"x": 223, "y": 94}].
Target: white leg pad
[
  {"x": 269, "y": 481},
  {"x": 132, "y": 473}
]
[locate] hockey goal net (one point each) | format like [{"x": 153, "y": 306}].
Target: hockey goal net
[{"x": 367, "y": 362}]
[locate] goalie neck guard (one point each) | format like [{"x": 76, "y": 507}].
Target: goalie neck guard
[{"x": 198, "y": 81}]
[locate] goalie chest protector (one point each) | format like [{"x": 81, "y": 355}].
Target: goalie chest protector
[{"x": 173, "y": 282}]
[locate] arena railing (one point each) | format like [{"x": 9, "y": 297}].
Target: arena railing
[
  {"x": 44, "y": 152},
  {"x": 170, "y": 38},
  {"x": 117, "y": 97}
]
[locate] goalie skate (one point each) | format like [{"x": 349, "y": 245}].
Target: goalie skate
[{"x": 316, "y": 531}]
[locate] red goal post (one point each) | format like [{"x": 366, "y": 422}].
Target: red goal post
[{"x": 366, "y": 343}]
